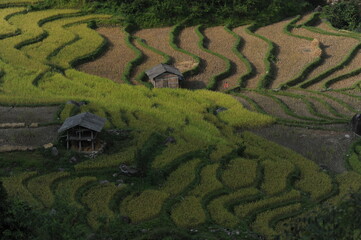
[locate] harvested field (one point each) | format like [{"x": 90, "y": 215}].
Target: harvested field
[
  {"x": 293, "y": 53},
  {"x": 347, "y": 83},
  {"x": 269, "y": 105},
  {"x": 159, "y": 39},
  {"x": 328, "y": 148},
  {"x": 150, "y": 60},
  {"x": 337, "y": 106},
  {"x": 334, "y": 47},
  {"x": 212, "y": 65},
  {"x": 28, "y": 137},
  {"x": 297, "y": 106},
  {"x": 352, "y": 66},
  {"x": 28, "y": 114},
  {"x": 112, "y": 63},
  {"x": 254, "y": 49},
  {"x": 352, "y": 101},
  {"x": 220, "y": 41},
  {"x": 245, "y": 104}
]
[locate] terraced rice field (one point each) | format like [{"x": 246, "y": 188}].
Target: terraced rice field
[{"x": 200, "y": 179}]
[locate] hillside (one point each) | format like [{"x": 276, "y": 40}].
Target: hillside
[{"x": 216, "y": 178}]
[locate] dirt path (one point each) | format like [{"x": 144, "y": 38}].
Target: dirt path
[
  {"x": 220, "y": 41},
  {"x": 293, "y": 53},
  {"x": 254, "y": 50},
  {"x": 112, "y": 63}
]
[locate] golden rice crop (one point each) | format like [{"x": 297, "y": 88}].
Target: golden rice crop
[
  {"x": 275, "y": 175},
  {"x": 219, "y": 212},
  {"x": 263, "y": 220},
  {"x": 348, "y": 183},
  {"x": 188, "y": 213},
  {"x": 97, "y": 199},
  {"x": 6, "y": 27},
  {"x": 67, "y": 189},
  {"x": 16, "y": 190},
  {"x": 294, "y": 53},
  {"x": 40, "y": 187},
  {"x": 89, "y": 42},
  {"x": 179, "y": 179},
  {"x": 240, "y": 173},
  {"x": 144, "y": 206},
  {"x": 318, "y": 184},
  {"x": 58, "y": 37},
  {"x": 208, "y": 183},
  {"x": 248, "y": 209}
]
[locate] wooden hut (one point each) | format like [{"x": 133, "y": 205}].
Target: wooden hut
[
  {"x": 82, "y": 130},
  {"x": 163, "y": 75}
]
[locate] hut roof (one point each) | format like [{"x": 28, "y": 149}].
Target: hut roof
[
  {"x": 87, "y": 120},
  {"x": 162, "y": 68}
]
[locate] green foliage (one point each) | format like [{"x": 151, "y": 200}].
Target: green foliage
[
  {"x": 240, "y": 173},
  {"x": 344, "y": 15},
  {"x": 341, "y": 222},
  {"x": 189, "y": 212}
]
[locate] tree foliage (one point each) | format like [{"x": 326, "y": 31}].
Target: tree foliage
[
  {"x": 330, "y": 223},
  {"x": 151, "y": 13},
  {"x": 344, "y": 15}
]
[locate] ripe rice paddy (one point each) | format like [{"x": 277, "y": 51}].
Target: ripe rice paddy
[{"x": 191, "y": 183}]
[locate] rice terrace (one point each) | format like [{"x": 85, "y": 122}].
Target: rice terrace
[{"x": 257, "y": 137}]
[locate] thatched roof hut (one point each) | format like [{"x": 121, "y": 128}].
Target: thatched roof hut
[
  {"x": 81, "y": 130},
  {"x": 164, "y": 75}
]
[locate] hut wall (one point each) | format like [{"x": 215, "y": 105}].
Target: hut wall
[{"x": 167, "y": 80}]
